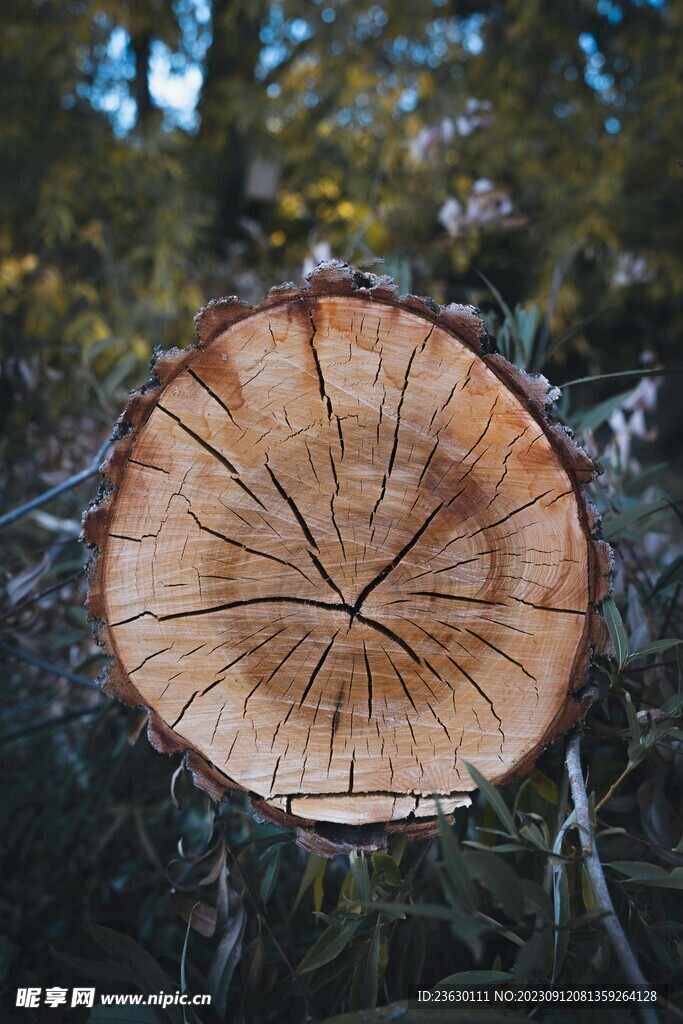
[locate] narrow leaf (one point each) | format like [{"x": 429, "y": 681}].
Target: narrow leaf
[
  {"x": 669, "y": 371},
  {"x": 469, "y": 979},
  {"x": 226, "y": 958},
  {"x": 493, "y": 797},
  {"x": 617, "y": 631},
  {"x": 591, "y": 419},
  {"x": 361, "y": 876},
  {"x": 656, "y": 647},
  {"x": 613, "y": 525},
  {"x": 365, "y": 986},
  {"x": 313, "y": 874},
  {"x": 329, "y": 945}
]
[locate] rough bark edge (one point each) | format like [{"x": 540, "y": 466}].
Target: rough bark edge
[{"x": 333, "y": 278}]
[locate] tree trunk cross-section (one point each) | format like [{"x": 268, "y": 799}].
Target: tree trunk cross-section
[{"x": 343, "y": 552}]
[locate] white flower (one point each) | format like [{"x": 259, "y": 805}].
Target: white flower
[
  {"x": 631, "y": 269},
  {"x": 447, "y": 131},
  {"x": 451, "y": 217},
  {"x": 320, "y": 251},
  {"x": 423, "y": 148}
]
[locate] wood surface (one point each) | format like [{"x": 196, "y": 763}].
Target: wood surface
[{"x": 341, "y": 553}]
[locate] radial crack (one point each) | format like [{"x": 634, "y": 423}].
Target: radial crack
[
  {"x": 317, "y": 669},
  {"x": 232, "y": 470},
  {"x": 515, "y": 512},
  {"x": 244, "y": 547},
  {"x": 396, "y": 559},
  {"x": 501, "y": 652},
  {"x": 210, "y": 391},
  {"x": 294, "y": 507}
]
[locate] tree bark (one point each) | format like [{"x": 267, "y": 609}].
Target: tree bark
[
  {"x": 141, "y": 45},
  {"x": 224, "y": 141},
  {"x": 342, "y": 553}
]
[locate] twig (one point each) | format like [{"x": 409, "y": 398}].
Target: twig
[
  {"x": 659, "y": 372},
  {"x": 627, "y": 771},
  {"x": 50, "y": 723},
  {"x": 66, "y": 485},
  {"x": 669, "y": 612},
  {"x": 32, "y": 599},
  {"x": 264, "y": 921},
  {"x": 610, "y": 921},
  {"x": 636, "y": 839},
  {"x": 63, "y": 673}
]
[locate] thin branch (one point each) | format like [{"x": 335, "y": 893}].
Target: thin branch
[
  {"x": 661, "y": 372},
  {"x": 627, "y": 771},
  {"x": 55, "y": 670},
  {"x": 264, "y": 921},
  {"x": 33, "y": 598},
  {"x": 50, "y": 723},
  {"x": 609, "y": 921},
  {"x": 673, "y": 604},
  {"x": 66, "y": 485},
  {"x": 636, "y": 839}
]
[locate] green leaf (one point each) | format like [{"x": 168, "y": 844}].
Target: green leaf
[
  {"x": 533, "y": 835},
  {"x": 673, "y": 705},
  {"x": 649, "y": 874},
  {"x": 312, "y": 876},
  {"x": 469, "y": 979},
  {"x": 536, "y": 899},
  {"x": 469, "y": 929},
  {"x": 559, "y": 341},
  {"x": 385, "y": 871},
  {"x": 672, "y": 574},
  {"x": 617, "y": 631},
  {"x": 669, "y": 371},
  {"x": 587, "y": 889},
  {"x": 342, "y": 966},
  {"x": 507, "y": 312},
  {"x": 494, "y": 798},
  {"x": 270, "y": 875},
  {"x": 253, "y": 968},
  {"x": 591, "y": 419},
  {"x": 148, "y": 976},
  {"x": 498, "y": 848},
  {"x": 435, "y": 911},
  {"x": 183, "y": 957},
  {"x": 456, "y": 866},
  {"x": 544, "y": 786},
  {"x": 560, "y": 900},
  {"x": 613, "y": 525},
  {"x": 633, "y": 723},
  {"x": 413, "y": 958},
  {"x": 227, "y": 955},
  {"x": 365, "y": 985},
  {"x": 328, "y": 946},
  {"x": 500, "y": 880},
  {"x": 527, "y": 322},
  {"x": 656, "y": 647},
  {"x": 361, "y": 876},
  {"x": 94, "y": 970}
]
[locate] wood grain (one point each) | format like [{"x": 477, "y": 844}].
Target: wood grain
[{"x": 345, "y": 553}]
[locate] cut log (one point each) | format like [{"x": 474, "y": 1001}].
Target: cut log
[{"x": 340, "y": 553}]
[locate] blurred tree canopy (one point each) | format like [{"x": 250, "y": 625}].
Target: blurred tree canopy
[{"x": 162, "y": 152}]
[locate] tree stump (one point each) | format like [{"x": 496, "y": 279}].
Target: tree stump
[{"x": 340, "y": 553}]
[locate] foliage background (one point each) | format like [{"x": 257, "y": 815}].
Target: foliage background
[{"x": 160, "y": 153}]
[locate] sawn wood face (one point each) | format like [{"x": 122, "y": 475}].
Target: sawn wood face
[{"x": 344, "y": 560}]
